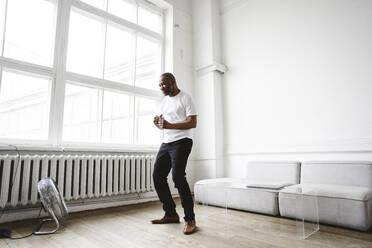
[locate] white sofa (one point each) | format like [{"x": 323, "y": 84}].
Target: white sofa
[
  {"x": 257, "y": 192},
  {"x": 343, "y": 189}
]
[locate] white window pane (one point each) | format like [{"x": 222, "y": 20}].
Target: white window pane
[
  {"x": 86, "y": 44},
  {"x": 119, "y": 55},
  {"x": 101, "y": 4},
  {"x": 24, "y": 106},
  {"x": 117, "y": 118},
  {"x": 147, "y": 133},
  {"x": 82, "y": 114},
  {"x": 30, "y": 30},
  {"x": 125, "y": 9},
  {"x": 116, "y": 105},
  {"x": 116, "y": 131},
  {"x": 150, "y": 19},
  {"x": 148, "y": 63}
]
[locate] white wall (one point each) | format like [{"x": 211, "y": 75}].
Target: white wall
[
  {"x": 208, "y": 156},
  {"x": 299, "y": 84},
  {"x": 181, "y": 5}
]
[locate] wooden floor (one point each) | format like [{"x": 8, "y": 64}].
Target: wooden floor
[{"x": 129, "y": 227}]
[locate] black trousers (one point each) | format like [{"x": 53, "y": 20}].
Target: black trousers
[{"x": 174, "y": 156}]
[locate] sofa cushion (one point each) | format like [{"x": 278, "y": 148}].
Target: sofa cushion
[
  {"x": 331, "y": 191},
  {"x": 273, "y": 171},
  {"x": 352, "y": 173},
  {"x": 347, "y": 206},
  {"x": 236, "y": 195}
]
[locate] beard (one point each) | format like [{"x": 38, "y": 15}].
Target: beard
[{"x": 167, "y": 91}]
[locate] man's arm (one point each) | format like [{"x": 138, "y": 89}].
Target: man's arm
[{"x": 189, "y": 123}]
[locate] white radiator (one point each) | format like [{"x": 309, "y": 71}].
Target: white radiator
[{"x": 77, "y": 176}]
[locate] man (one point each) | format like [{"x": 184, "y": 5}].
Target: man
[{"x": 177, "y": 118}]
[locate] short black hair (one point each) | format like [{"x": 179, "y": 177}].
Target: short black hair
[{"x": 168, "y": 76}]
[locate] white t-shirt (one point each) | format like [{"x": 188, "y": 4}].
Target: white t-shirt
[{"x": 175, "y": 109}]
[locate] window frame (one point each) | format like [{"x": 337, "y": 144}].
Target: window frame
[{"x": 60, "y": 77}]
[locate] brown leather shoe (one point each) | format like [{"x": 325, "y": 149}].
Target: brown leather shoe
[
  {"x": 190, "y": 227},
  {"x": 166, "y": 220}
]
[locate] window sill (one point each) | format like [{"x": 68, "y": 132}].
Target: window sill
[{"x": 80, "y": 148}]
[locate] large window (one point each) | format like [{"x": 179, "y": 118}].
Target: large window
[
  {"x": 24, "y": 105},
  {"x": 80, "y": 72}
]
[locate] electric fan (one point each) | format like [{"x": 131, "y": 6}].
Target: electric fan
[{"x": 53, "y": 204}]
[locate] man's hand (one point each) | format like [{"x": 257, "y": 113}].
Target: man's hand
[
  {"x": 156, "y": 119},
  {"x": 163, "y": 123},
  {"x": 159, "y": 121}
]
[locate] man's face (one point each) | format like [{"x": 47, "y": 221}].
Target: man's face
[{"x": 166, "y": 86}]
